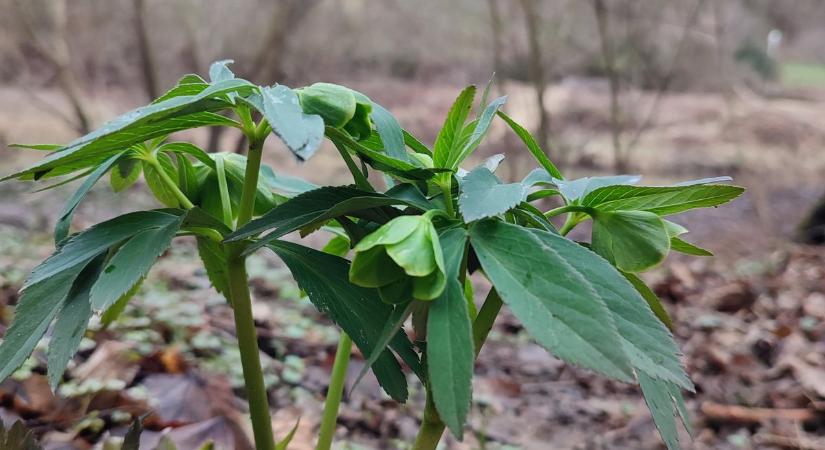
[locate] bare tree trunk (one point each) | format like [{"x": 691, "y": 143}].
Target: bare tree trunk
[
  {"x": 147, "y": 57},
  {"x": 620, "y": 164},
  {"x": 536, "y": 70},
  {"x": 51, "y": 43},
  {"x": 812, "y": 229},
  {"x": 495, "y": 32},
  {"x": 286, "y": 17}
]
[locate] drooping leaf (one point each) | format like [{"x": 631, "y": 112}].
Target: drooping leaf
[
  {"x": 131, "y": 262},
  {"x": 219, "y": 71},
  {"x": 147, "y": 122},
  {"x": 561, "y": 308},
  {"x": 633, "y": 241},
  {"x": 302, "y": 133},
  {"x": 71, "y": 322},
  {"x": 451, "y": 354},
  {"x": 392, "y": 327},
  {"x": 64, "y": 221},
  {"x": 326, "y": 203},
  {"x": 532, "y": 146},
  {"x": 448, "y": 139},
  {"x": 571, "y": 292},
  {"x": 661, "y": 200},
  {"x": 664, "y": 407},
  {"x": 84, "y": 246},
  {"x": 39, "y": 303},
  {"x": 358, "y": 311}
]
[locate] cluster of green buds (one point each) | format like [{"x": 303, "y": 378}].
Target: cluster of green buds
[
  {"x": 403, "y": 259},
  {"x": 339, "y": 106}
]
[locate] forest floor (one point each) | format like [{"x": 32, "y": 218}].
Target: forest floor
[{"x": 751, "y": 321}]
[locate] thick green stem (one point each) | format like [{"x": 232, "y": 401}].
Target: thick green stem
[
  {"x": 431, "y": 427},
  {"x": 250, "y": 187},
  {"x": 184, "y": 201},
  {"x": 447, "y": 192},
  {"x": 242, "y": 309},
  {"x": 248, "y": 346},
  {"x": 334, "y": 394}
]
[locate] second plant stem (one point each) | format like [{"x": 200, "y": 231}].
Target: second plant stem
[
  {"x": 329, "y": 420},
  {"x": 432, "y": 427}
]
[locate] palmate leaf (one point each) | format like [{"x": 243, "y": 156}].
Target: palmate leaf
[
  {"x": 661, "y": 200},
  {"x": 64, "y": 221},
  {"x": 39, "y": 303},
  {"x": 451, "y": 355},
  {"x": 131, "y": 262},
  {"x": 82, "y": 247},
  {"x": 71, "y": 322},
  {"x": 328, "y": 203},
  {"x": 358, "y": 311},
  {"x": 147, "y": 122},
  {"x": 598, "y": 319}
]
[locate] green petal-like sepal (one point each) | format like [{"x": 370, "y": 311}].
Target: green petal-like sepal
[{"x": 403, "y": 259}]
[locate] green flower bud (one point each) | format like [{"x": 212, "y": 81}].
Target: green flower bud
[
  {"x": 402, "y": 259},
  {"x": 339, "y": 106}
]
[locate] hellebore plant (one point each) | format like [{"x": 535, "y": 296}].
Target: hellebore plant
[{"x": 415, "y": 242}]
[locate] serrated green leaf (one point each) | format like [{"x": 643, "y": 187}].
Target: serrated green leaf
[
  {"x": 577, "y": 277},
  {"x": 480, "y": 130},
  {"x": 71, "y": 322},
  {"x": 187, "y": 177},
  {"x": 661, "y": 200},
  {"x": 64, "y": 221},
  {"x": 416, "y": 145},
  {"x": 532, "y": 146},
  {"x": 538, "y": 276},
  {"x": 651, "y": 298},
  {"x": 125, "y": 174},
  {"x": 43, "y": 147},
  {"x": 451, "y": 354},
  {"x": 147, "y": 122},
  {"x": 392, "y": 327},
  {"x": 392, "y": 136},
  {"x": 113, "y": 312},
  {"x": 633, "y": 241},
  {"x": 82, "y": 247},
  {"x": 39, "y": 303},
  {"x": 448, "y": 139},
  {"x": 660, "y": 401},
  {"x": 191, "y": 84},
  {"x": 302, "y": 133},
  {"x": 484, "y": 195},
  {"x": 131, "y": 262},
  {"x": 358, "y": 311}
]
